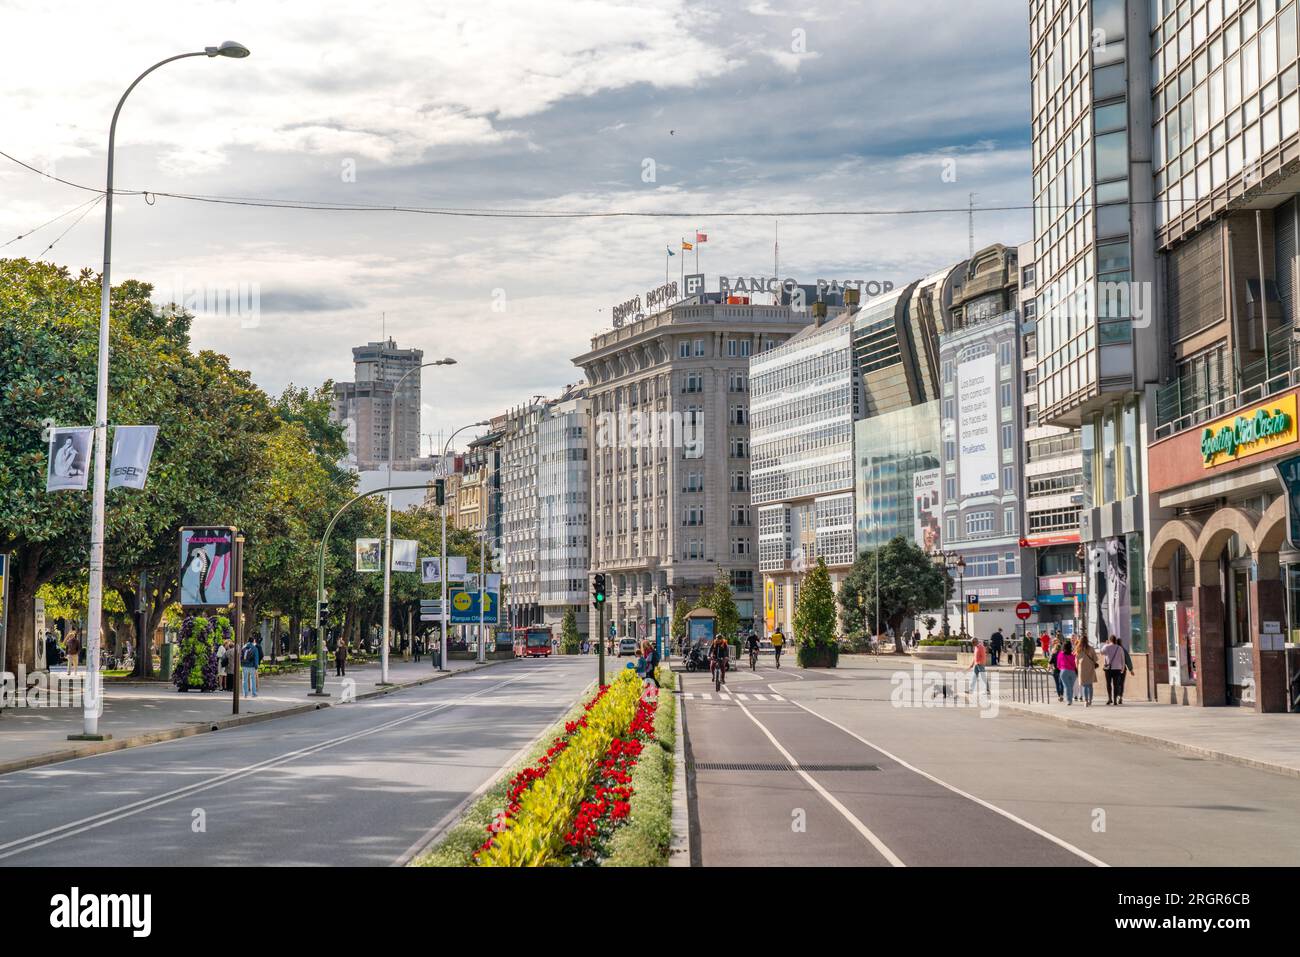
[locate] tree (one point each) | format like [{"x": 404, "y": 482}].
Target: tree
[
  {"x": 570, "y": 640},
  {"x": 910, "y": 582},
  {"x": 719, "y": 600},
  {"x": 680, "y": 611},
  {"x": 814, "y": 619}
]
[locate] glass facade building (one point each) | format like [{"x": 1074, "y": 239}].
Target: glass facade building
[{"x": 889, "y": 450}]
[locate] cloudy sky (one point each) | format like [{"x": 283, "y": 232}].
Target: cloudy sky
[{"x": 689, "y": 107}]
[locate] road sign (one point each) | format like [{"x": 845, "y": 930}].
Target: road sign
[
  {"x": 1023, "y": 611},
  {"x": 972, "y": 602},
  {"x": 463, "y": 607}
]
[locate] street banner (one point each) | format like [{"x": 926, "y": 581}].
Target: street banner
[
  {"x": 493, "y": 582},
  {"x": 471, "y": 581},
  {"x": 457, "y": 567},
  {"x": 406, "y": 553},
  {"x": 207, "y": 567},
  {"x": 429, "y": 570},
  {"x": 132, "y": 453},
  {"x": 925, "y": 495},
  {"x": 69, "y": 464},
  {"x": 369, "y": 555},
  {"x": 464, "y": 610}
]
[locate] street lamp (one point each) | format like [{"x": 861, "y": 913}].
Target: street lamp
[
  {"x": 1081, "y": 553},
  {"x": 442, "y": 465},
  {"x": 961, "y": 577},
  {"x": 388, "y": 513},
  {"x": 92, "y": 702}
]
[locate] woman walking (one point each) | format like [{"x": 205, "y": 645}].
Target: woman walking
[
  {"x": 1086, "y": 660},
  {"x": 1052, "y": 654},
  {"x": 1066, "y": 662}
]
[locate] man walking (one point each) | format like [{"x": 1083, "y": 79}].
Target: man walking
[
  {"x": 250, "y": 658},
  {"x": 1117, "y": 661},
  {"x": 341, "y": 657},
  {"x": 73, "y": 647},
  {"x": 995, "y": 646}
]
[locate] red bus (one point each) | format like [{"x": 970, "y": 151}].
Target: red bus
[{"x": 533, "y": 642}]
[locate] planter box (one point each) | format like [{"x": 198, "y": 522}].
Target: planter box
[{"x": 817, "y": 659}]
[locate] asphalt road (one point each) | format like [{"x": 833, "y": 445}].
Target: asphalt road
[
  {"x": 354, "y": 784},
  {"x": 865, "y": 780}
]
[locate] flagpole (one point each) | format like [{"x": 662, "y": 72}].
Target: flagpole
[
  {"x": 697, "y": 248},
  {"x": 683, "y": 272}
]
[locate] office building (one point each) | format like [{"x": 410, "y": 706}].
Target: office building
[{"x": 365, "y": 405}]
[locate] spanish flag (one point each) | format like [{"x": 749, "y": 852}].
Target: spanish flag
[{"x": 686, "y": 245}]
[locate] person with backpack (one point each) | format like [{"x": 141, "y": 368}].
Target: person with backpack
[
  {"x": 249, "y": 660},
  {"x": 73, "y": 648},
  {"x": 650, "y": 652}
]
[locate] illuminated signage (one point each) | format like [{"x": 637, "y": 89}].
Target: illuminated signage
[{"x": 1249, "y": 432}]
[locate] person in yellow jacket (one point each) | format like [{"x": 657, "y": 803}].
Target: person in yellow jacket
[{"x": 778, "y": 642}]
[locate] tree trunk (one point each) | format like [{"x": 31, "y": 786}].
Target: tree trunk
[{"x": 20, "y": 645}]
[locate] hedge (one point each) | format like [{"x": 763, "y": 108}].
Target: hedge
[{"x": 644, "y": 840}]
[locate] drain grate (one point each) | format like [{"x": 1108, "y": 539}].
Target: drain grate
[{"x": 781, "y": 766}]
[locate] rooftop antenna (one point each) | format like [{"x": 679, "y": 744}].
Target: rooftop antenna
[{"x": 776, "y": 256}]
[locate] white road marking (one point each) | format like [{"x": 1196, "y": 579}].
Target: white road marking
[
  {"x": 32, "y": 841},
  {"x": 861, "y": 828},
  {"x": 956, "y": 790}
]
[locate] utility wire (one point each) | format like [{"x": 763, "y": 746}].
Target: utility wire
[
  {"x": 507, "y": 213},
  {"x": 93, "y": 203},
  {"x": 89, "y": 202}
]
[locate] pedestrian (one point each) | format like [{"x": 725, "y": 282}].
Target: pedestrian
[
  {"x": 1056, "y": 668},
  {"x": 978, "y": 661},
  {"x": 1117, "y": 662},
  {"x": 341, "y": 657},
  {"x": 651, "y": 653},
  {"x": 223, "y": 667},
  {"x": 250, "y": 658},
  {"x": 73, "y": 648},
  {"x": 1045, "y": 641},
  {"x": 1086, "y": 661},
  {"x": 995, "y": 646},
  {"x": 1066, "y": 663}
]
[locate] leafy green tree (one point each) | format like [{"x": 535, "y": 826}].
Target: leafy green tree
[
  {"x": 720, "y": 601},
  {"x": 910, "y": 582},
  {"x": 814, "y": 617},
  {"x": 680, "y": 610},
  {"x": 570, "y": 640}
]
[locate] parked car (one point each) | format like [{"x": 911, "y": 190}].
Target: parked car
[{"x": 626, "y": 646}]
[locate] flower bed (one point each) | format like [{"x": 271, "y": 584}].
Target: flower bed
[{"x": 563, "y": 809}]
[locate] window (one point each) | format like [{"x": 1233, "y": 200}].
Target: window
[
  {"x": 699, "y": 348},
  {"x": 981, "y": 566},
  {"x": 1006, "y": 394},
  {"x": 740, "y": 546},
  {"x": 693, "y": 515},
  {"x": 1008, "y": 437},
  {"x": 1009, "y": 563},
  {"x": 1009, "y": 519},
  {"x": 737, "y": 381},
  {"x": 979, "y": 523},
  {"x": 950, "y": 489},
  {"x": 684, "y": 349},
  {"x": 739, "y": 515},
  {"x": 739, "y": 448},
  {"x": 739, "y": 481},
  {"x": 1008, "y": 478},
  {"x": 739, "y": 415},
  {"x": 742, "y": 580},
  {"x": 738, "y": 347},
  {"x": 693, "y": 382}
]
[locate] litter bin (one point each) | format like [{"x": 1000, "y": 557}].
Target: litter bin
[{"x": 168, "y": 659}]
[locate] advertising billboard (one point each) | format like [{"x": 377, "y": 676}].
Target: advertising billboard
[
  {"x": 977, "y": 425},
  {"x": 925, "y": 494},
  {"x": 207, "y": 576}
]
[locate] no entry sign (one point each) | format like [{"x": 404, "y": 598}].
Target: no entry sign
[{"x": 1023, "y": 610}]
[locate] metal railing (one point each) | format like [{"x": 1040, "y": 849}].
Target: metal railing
[
  {"x": 1180, "y": 407},
  {"x": 1030, "y": 685}
]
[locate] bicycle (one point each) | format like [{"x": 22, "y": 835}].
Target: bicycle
[
  {"x": 719, "y": 673},
  {"x": 753, "y": 660}
]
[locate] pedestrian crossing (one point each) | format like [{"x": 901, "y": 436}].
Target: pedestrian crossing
[{"x": 722, "y": 696}]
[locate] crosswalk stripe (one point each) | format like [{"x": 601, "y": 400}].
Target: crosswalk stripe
[
  {"x": 741, "y": 697},
  {"x": 777, "y": 697},
  {"x": 724, "y": 696},
  {"x": 707, "y": 695}
]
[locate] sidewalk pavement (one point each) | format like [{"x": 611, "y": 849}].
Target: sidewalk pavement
[
  {"x": 139, "y": 712},
  {"x": 1267, "y": 742}
]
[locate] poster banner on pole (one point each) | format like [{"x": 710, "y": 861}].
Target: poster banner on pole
[
  {"x": 132, "y": 453},
  {"x": 493, "y": 582},
  {"x": 207, "y": 567},
  {"x": 406, "y": 552},
  {"x": 457, "y": 567},
  {"x": 69, "y": 464},
  {"x": 430, "y": 570},
  {"x": 925, "y": 494},
  {"x": 369, "y": 552}
]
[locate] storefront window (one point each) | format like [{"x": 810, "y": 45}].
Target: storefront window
[
  {"x": 1137, "y": 594},
  {"x": 1293, "y": 603}
]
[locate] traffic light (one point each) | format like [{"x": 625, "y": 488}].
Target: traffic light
[
  {"x": 324, "y": 608},
  {"x": 598, "y": 589},
  {"x": 440, "y": 491}
]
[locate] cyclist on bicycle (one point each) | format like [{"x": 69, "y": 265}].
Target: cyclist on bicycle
[
  {"x": 751, "y": 645},
  {"x": 719, "y": 650},
  {"x": 778, "y": 640}
]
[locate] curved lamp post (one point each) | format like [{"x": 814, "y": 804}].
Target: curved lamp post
[{"x": 93, "y": 704}]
